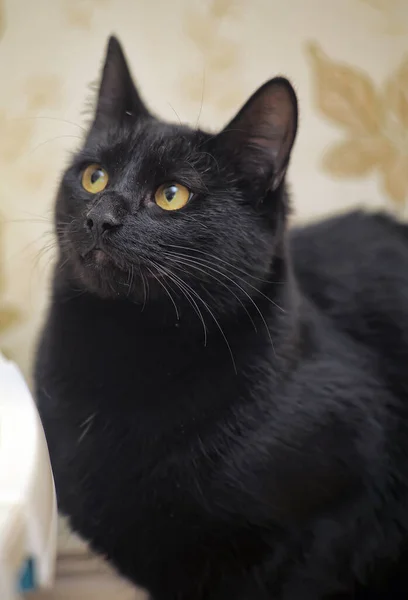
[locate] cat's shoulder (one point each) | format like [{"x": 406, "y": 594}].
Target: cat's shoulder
[
  {"x": 353, "y": 230},
  {"x": 351, "y": 248}
]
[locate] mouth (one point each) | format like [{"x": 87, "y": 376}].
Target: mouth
[
  {"x": 101, "y": 260},
  {"x": 108, "y": 276},
  {"x": 97, "y": 258}
]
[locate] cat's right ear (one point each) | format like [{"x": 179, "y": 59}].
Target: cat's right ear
[{"x": 118, "y": 98}]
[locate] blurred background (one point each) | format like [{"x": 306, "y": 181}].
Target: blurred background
[{"x": 195, "y": 60}]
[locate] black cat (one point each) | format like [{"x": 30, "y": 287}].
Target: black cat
[{"x": 225, "y": 402}]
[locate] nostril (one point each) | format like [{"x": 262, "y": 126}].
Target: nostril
[
  {"x": 102, "y": 222},
  {"x": 109, "y": 225}
]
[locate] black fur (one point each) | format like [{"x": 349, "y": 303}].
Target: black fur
[{"x": 225, "y": 402}]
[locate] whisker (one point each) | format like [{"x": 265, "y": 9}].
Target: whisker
[
  {"x": 130, "y": 280},
  {"x": 144, "y": 288},
  {"x": 165, "y": 289},
  {"x": 191, "y": 218},
  {"x": 244, "y": 291},
  {"x": 241, "y": 278},
  {"x": 174, "y": 110},
  {"x": 249, "y": 298},
  {"x": 202, "y": 101},
  {"x": 227, "y": 287},
  {"x": 216, "y": 323},
  {"x": 18, "y": 221},
  {"x": 182, "y": 285},
  {"x": 58, "y": 137},
  {"x": 212, "y": 157},
  {"x": 215, "y": 257},
  {"x": 198, "y": 174},
  {"x": 148, "y": 290},
  {"x": 49, "y": 119}
]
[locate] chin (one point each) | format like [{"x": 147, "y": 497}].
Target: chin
[
  {"x": 102, "y": 277},
  {"x": 99, "y": 275}
]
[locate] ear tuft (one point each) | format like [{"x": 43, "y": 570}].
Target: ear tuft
[{"x": 262, "y": 133}]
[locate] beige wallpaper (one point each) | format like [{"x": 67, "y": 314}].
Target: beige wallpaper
[{"x": 195, "y": 60}]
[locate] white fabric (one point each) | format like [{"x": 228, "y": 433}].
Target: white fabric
[{"x": 28, "y": 511}]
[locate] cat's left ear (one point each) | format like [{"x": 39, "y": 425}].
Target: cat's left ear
[
  {"x": 261, "y": 136},
  {"x": 118, "y": 98}
]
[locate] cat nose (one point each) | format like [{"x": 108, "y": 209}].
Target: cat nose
[
  {"x": 100, "y": 223},
  {"x": 104, "y": 217}
]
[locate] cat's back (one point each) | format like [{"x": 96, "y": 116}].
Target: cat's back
[
  {"x": 351, "y": 261},
  {"x": 354, "y": 267}
]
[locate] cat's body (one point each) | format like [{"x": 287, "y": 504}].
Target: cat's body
[{"x": 265, "y": 457}]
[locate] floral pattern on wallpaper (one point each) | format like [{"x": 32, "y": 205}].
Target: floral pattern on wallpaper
[
  {"x": 15, "y": 135},
  {"x": 79, "y": 13},
  {"x": 374, "y": 120},
  {"x": 204, "y": 25},
  {"x": 9, "y": 315},
  {"x": 43, "y": 91},
  {"x": 393, "y": 14}
]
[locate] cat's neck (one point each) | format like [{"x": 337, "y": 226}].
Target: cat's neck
[
  {"x": 118, "y": 342},
  {"x": 275, "y": 306},
  {"x": 134, "y": 342}
]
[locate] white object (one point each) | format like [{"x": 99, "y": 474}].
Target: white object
[{"x": 28, "y": 511}]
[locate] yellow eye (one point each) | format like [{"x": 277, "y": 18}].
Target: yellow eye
[
  {"x": 172, "y": 196},
  {"x": 94, "y": 179}
]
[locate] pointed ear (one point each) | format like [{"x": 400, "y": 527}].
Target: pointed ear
[
  {"x": 118, "y": 98},
  {"x": 261, "y": 136}
]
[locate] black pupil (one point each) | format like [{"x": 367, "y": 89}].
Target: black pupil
[
  {"x": 170, "y": 192},
  {"x": 97, "y": 174}
]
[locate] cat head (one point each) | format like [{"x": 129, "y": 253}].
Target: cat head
[{"x": 150, "y": 204}]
